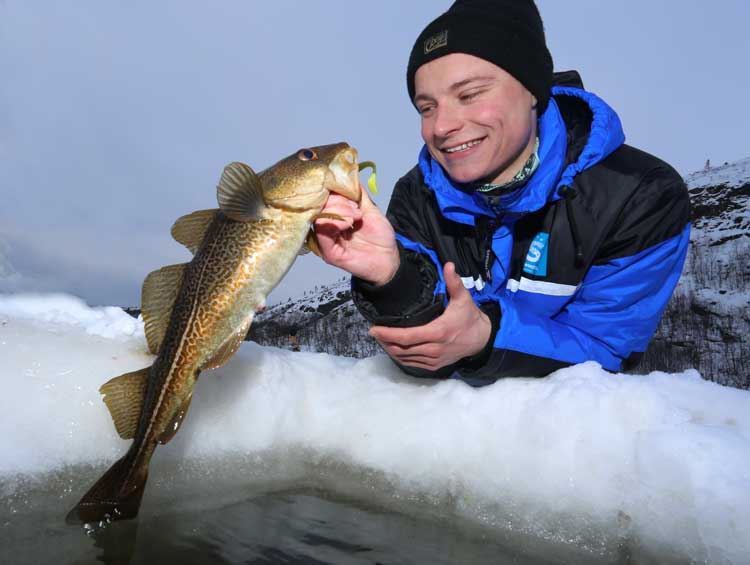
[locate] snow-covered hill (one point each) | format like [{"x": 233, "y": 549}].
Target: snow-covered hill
[
  {"x": 706, "y": 325},
  {"x": 733, "y": 175},
  {"x": 324, "y": 319},
  {"x": 721, "y": 203}
]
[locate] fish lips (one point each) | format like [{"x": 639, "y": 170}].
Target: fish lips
[{"x": 342, "y": 176}]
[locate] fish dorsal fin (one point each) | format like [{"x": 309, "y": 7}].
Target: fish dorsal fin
[
  {"x": 229, "y": 347},
  {"x": 124, "y": 396},
  {"x": 190, "y": 229},
  {"x": 240, "y": 193},
  {"x": 157, "y": 299},
  {"x": 176, "y": 421}
]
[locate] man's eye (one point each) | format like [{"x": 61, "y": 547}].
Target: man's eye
[{"x": 469, "y": 96}]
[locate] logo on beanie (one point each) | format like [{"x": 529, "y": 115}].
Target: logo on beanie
[{"x": 435, "y": 41}]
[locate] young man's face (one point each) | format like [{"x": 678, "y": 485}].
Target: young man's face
[{"x": 478, "y": 121}]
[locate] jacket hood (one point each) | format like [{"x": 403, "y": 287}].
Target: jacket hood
[{"x": 605, "y": 136}]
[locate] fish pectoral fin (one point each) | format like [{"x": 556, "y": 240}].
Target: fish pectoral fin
[
  {"x": 124, "y": 396},
  {"x": 329, "y": 216},
  {"x": 229, "y": 347},
  {"x": 190, "y": 229},
  {"x": 225, "y": 352},
  {"x": 158, "y": 296},
  {"x": 311, "y": 244},
  {"x": 240, "y": 193},
  {"x": 176, "y": 421}
]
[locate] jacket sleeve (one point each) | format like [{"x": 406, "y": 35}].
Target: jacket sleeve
[
  {"x": 407, "y": 300},
  {"x": 617, "y": 307}
]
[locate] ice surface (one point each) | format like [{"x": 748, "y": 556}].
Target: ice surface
[
  {"x": 64, "y": 309},
  {"x": 662, "y": 457}
]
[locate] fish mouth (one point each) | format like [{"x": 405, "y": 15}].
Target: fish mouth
[{"x": 344, "y": 179}]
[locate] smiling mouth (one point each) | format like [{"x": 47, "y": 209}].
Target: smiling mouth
[{"x": 463, "y": 146}]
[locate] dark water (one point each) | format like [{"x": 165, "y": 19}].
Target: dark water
[
  {"x": 285, "y": 527},
  {"x": 198, "y": 515},
  {"x": 303, "y": 527}
]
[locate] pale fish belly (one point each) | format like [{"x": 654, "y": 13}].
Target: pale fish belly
[
  {"x": 278, "y": 256},
  {"x": 260, "y": 254}
]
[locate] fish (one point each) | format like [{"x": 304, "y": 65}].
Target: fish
[{"x": 197, "y": 314}]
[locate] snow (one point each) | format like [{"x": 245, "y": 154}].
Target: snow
[
  {"x": 732, "y": 174},
  {"x": 662, "y": 458},
  {"x": 723, "y": 302},
  {"x": 64, "y": 309}
]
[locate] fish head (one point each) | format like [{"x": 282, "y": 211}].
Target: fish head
[{"x": 304, "y": 179}]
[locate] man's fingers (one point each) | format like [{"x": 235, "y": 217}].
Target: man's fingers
[
  {"x": 334, "y": 227},
  {"x": 406, "y": 337},
  {"x": 327, "y": 235},
  {"x": 345, "y": 210},
  {"x": 336, "y": 200},
  {"x": 427, "y": 365},
  {"x": 338, "y": 204},
  {"x": 424, "y": 351}
]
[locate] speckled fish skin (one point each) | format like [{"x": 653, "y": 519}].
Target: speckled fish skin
[{"x": 234, "y": 269}]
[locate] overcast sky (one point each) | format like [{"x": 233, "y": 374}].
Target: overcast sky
[{"x": 118, "y": 117}]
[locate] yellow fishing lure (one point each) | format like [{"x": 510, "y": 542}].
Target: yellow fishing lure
[{"x": 371, "y": 181}]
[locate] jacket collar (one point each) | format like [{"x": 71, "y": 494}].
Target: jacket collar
[{"x": 606, "y": 135}]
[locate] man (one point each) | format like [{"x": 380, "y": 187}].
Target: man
[{"x": 529, "y": 237}]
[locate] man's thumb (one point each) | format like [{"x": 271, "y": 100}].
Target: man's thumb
[{"x": 453, "y": 283}]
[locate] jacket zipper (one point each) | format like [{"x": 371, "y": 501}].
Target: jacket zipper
[{"x": 487, "y": 230}]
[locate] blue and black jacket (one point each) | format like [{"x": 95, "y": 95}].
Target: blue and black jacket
[{"x": 578, "y": 264}]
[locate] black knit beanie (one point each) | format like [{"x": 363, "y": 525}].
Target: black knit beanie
[{"x": 508, "y": 33}]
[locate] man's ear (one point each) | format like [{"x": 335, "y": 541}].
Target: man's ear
[{"x": 533, "y": 102}]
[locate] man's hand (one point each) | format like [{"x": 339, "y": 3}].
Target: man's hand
[
  {"x": 462, "y": 330},
  {"x": 364, "y": 244}
]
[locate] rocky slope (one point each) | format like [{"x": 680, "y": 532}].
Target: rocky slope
[
  {"x": 707, "y": 323},
  {"x": 324, "y": 319}
]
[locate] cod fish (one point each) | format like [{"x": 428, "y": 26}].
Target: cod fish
[{"x": 197, "y": 314}]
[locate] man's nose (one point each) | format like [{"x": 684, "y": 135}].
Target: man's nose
[{"x": 447, "y": 120}]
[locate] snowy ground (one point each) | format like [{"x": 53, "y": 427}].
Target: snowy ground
[{"x": 582, "y": 457}]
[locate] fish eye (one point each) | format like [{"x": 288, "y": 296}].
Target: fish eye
[{"x": 307, "y": 155}]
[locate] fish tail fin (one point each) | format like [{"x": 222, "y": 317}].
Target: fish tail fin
[{"x": 115, "y": 496}]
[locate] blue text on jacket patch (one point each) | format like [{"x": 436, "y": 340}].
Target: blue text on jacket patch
[{"x": 536, "y": 258}]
